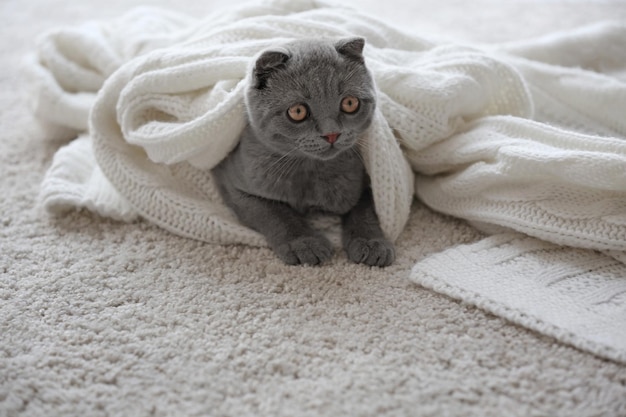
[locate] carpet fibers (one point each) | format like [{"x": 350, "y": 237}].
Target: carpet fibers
[{"x": 103, "y": 318}]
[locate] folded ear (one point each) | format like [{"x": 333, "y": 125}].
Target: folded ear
[
  {"x": 268, "y": 62},
  {"x": 351, "y": 47}
]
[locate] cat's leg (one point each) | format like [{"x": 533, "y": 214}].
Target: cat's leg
[
  {"x": 286, "y": 231},
  {"x": 362, "y": 237}
]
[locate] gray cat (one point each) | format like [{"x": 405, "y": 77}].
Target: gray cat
[{"x": 307, "y": 106}]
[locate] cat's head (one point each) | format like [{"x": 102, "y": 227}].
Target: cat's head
[{"x": 311, "y": 97}]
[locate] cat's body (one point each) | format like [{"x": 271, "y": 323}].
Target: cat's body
[{"x": 307, "y": 107}]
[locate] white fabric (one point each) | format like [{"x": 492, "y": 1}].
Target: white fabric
[
  {"x": 88, "y": 188},
  {"x": 460, "y": 114},
  {"x": 488, "y": 130},
  {"x": 566, "y": 292}
]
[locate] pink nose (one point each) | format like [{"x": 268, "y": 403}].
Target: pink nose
[{"x": 331, "y": 137}]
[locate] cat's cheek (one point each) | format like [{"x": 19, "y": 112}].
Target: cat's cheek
[{"x": 360, "y": 121}]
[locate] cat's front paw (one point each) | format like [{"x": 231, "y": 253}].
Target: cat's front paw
[
  {"x": 372, "y": 252},
  {"x": 310, "y": 250}
]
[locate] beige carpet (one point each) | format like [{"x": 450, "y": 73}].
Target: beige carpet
[{"x": 102, "y": 318}]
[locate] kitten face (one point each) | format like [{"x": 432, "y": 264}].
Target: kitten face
[{"x": 312, "y": 97}]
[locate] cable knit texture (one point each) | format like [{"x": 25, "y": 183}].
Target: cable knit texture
[
  {"x": 549, "y": 288},
  {"x": 525, "y": 137},
  {"x": 459, "y": 116}
]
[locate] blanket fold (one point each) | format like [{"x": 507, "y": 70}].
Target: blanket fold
[
  {"x": 460, "y": 117},
  {"x": 525, "y": 137},
  {"x": 552, "y": 289}
]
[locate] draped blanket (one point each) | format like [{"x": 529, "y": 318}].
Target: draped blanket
[{"x": 523, "y": 138}]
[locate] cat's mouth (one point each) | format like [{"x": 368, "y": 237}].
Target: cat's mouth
[
  {"x": 331, "y": 152},
  {"x": 327, "y": 152},
  {"x": 324, "y": 149}
]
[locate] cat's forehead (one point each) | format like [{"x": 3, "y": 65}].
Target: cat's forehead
[
  {"x": 310, "y": 83},
  {"x": 315, "y": 67},
  {"x": 311, "y": 59}
]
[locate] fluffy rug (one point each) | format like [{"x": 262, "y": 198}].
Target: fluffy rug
[
  {"x": 101, "y": 317},
  {"x": 494, "y": 135}
]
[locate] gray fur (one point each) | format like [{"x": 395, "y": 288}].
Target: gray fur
[{"x": 281, "y": 170}]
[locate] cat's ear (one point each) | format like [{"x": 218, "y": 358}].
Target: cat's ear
[
  {"x": 351, "y": 47},
  {"x": 268, "y": 62}
]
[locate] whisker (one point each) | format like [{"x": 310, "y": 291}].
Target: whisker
[
  {"x": 286, "y": 166},
  {"x": 363, "y": 144},
  {"x": 358, "y": 154},
  {"x": 279, "y": 163}
]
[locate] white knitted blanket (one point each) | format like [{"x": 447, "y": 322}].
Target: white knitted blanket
[{"x": 525, "y": 137}]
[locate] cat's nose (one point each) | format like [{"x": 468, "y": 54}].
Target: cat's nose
[{"x": 331, "y": 137}]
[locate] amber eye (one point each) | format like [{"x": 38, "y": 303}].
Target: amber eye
[
  {"x": 349, "y": 104},
  {"x": 298, "y": 112}
]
